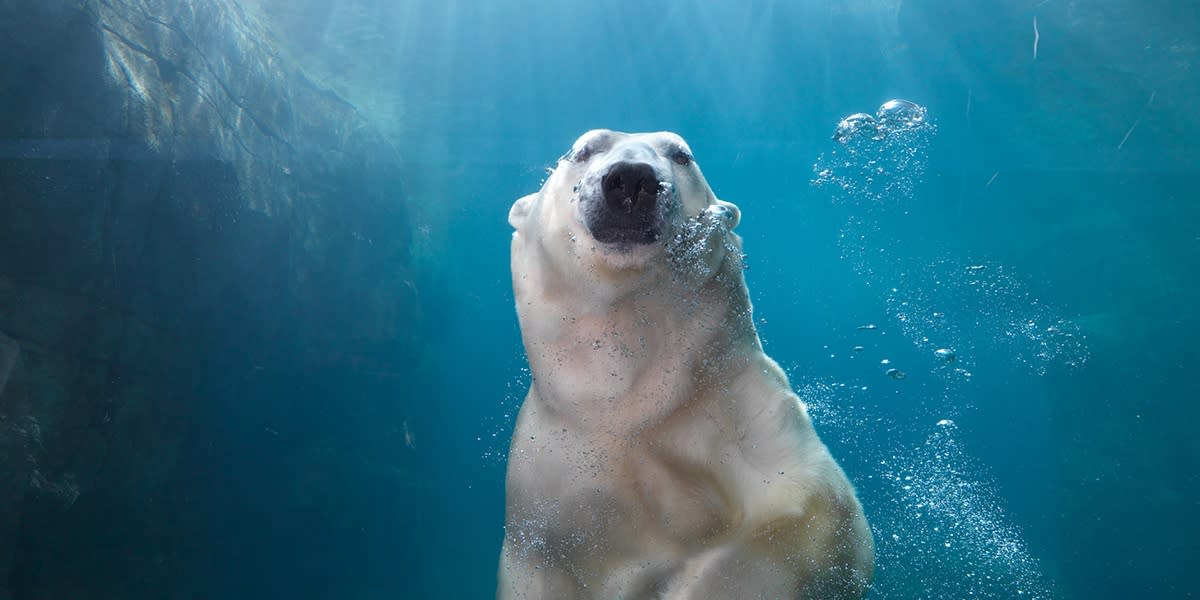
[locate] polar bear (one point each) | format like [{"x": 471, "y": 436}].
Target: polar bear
[{"x": 659, "y": 452}]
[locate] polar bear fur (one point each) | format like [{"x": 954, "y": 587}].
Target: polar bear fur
[{"x": 659, "y": 452}]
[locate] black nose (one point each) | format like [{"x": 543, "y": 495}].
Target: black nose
[{"x": 630, "y": 186}]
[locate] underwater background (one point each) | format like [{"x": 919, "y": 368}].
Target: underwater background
[{"x": 257, "y": 337}]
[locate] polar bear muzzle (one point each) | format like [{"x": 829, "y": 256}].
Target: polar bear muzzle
[{"x": 626, "y": 203}]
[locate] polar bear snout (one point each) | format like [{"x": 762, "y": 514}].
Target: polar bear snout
[
  {"x": 626, "y": 204},
  {"x": 630, "y": 187}
]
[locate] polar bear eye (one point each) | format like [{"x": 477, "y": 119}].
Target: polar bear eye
[
  {"x": 580, "y": 154},
  {"x": 680, "y": 156}
]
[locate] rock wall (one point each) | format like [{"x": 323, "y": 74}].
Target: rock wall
[{"x": 185, "y": 221}]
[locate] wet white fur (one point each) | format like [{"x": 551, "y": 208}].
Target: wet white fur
[{"x": 659, "y": 452}]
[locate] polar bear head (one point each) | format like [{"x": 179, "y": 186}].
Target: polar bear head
[{"x": 618, "y": 210}]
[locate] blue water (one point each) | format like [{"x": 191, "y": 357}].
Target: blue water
[
  {"x": 1057, "y": 190},
  {"x": 1072, "y": 474},
  {"x": 1041, "y": 224}
]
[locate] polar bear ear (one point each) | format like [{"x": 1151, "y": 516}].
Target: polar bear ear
[
  {"x": 520, "y": 210},
  {"x": 734, "y": 214}
]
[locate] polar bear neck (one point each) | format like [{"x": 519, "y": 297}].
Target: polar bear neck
[{"x": 624, "y": 361}]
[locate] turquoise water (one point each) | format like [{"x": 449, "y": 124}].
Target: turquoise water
[
  {"x": 1045, "y": 229},
  {"x": 1042, "y": 225},
  {"x": 991, "y": 312}
]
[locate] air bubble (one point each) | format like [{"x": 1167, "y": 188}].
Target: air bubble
[
  {"x": 856, "y": 126},
  {"x": 900, "y": 113}
]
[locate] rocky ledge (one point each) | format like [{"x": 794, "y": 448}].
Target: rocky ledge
[{"x": 188, "y": 226}]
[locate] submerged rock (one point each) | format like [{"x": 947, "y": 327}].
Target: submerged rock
[{"x": 183, "y": 214}]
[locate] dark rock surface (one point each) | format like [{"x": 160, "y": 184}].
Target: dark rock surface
[{"x": 199, "y": 248}]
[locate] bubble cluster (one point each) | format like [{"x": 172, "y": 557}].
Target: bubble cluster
[
  {"x": 954, "y": 525},
  {"x": 499, "y": 424},
  {"x": 940, "y": 530},
  {"x": 689, "y": 249},
  {"x": 949, "y": 302},
  {"x": 878, "y": 157},
  {"x": 977, "y": 307}
]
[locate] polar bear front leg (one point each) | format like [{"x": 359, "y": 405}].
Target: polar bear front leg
[
  {"x": 735, "y": 572},
  {"x": 822, "y": 556},
  {"x": 729, "y": 572}
]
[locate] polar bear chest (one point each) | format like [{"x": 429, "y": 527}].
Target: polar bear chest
[{"x": 578, "y": 497}]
